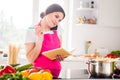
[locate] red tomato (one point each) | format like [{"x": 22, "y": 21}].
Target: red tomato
[{"x": 110, "y": 55}]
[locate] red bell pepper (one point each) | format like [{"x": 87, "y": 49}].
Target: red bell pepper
[
  {"x": 7, "y": 70},
  {"x": 10, "y": 69}
]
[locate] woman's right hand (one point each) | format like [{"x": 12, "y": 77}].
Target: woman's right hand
[
  {"x": 39, "y": 31},
  {"x": 59, "y": 57}
]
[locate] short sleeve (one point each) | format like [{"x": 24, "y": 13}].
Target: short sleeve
[{"x": 30, "y": 36}]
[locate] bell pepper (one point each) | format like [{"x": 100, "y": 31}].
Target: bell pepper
[
  {"x": 36, "y": 76},
  {"x": 7, "y": 69},
  {"x": 25, "y": 73},
  {"x": 47, "y": 75},
  {"x": 10, "y": 69},
  {"x": 43, "y": 74}
]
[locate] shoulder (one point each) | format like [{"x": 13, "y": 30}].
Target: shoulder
[
  {"x": 30, "y": 30},
  {"x": 30, "y": 35}
]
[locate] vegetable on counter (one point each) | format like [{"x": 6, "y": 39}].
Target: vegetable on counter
[
  {"x": 24, "y": 72},
  {"x": 113, "y": 54},
  {"x": 24, "y": 67},
  {"x": 1, "y": 67},
  {"x": 7, "y": 70},
  {"x": 110, "y": 55},
  {"x": 27, "y": 72},
  {"x": 116, "y": 52},
  {"x": 15, "y": 76},
  {"x": 43, "y": 74}
]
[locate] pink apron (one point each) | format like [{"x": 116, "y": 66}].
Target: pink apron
[{"x": 51, "y": 41}]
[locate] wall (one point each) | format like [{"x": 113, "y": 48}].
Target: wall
[{"x": 101, "y": 35}]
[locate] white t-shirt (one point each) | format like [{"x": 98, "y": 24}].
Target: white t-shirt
[{"x": 31, "y": 37}]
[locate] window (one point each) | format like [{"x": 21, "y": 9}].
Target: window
[
  {"x": 15, "y": 18},
  {"x": 17, "y": 15}
]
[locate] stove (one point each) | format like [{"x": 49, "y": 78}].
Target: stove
[
  {"x": 100, "y": 77},
  {"x": 84, "y": 74},
  {"x": 114, "y": 76}
]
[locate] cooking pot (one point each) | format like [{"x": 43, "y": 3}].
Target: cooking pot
[{"x": 100, "y": 68}]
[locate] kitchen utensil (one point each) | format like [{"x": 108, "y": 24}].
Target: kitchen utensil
[
  {"x": 100, "y": 68},
  {"x": 117, "y": 65}
]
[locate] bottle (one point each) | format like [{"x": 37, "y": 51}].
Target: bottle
[
  {"x": 92, "y": 4},
  {"x": 81, "y": 4},
  {"x": 87, "y": 45}
]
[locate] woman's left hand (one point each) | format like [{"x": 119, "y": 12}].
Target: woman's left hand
[{"x": 60, "y": 57}]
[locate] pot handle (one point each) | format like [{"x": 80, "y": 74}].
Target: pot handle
[
  {"x": 115, "y": 67},
  {"x": 115, "y": 76},
  {"x": 88, "y": 67}
]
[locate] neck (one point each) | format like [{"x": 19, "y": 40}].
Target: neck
[{"x": 44, "y": 25}]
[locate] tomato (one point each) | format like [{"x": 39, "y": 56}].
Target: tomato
[{"x": 110, "y": 55}]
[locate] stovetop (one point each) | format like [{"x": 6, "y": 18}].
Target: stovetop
[
  {"x": 90, "y": 77},
  {"x": 114, "y": 76},
  {"x": 84, "y": 74}
]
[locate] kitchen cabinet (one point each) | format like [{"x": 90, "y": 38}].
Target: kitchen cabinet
[{"x": 109, "y": 13}]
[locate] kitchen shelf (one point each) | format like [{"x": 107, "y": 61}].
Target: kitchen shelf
[
  {"x": 87, "y": 25},
  {"x": 86, "y": 14},
  {"x": 79, "y": 24},
  {"x": 86, "y": 9}
]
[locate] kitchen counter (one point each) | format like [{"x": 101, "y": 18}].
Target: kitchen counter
[
  {"x": 77, "y": 58},
  {"x": 22, "y": 59},
  {"x": 82, "y": 79},
  {"x": 67, "y": 79}
]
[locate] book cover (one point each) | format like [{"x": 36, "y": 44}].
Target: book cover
[{"x": 53, "y": 53}]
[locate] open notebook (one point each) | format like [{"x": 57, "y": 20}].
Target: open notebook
[{"x": 59, "y": 51}]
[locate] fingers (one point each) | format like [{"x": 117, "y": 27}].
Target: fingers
[
  {"x": 38, "y": 31},
  {"x": 60, "y": 57}
]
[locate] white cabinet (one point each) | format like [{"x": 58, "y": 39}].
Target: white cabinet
[{"x": 109, "y": 13}]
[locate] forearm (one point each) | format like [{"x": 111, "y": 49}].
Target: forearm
[
  {"x": 33, "y": 53},
  {"x": 38, "y": 46}
]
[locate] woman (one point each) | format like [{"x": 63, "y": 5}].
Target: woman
[{"x": 46, "y": 38}]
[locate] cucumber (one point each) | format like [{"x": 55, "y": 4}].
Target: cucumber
[
  {"x": 24, "y": 67},
  {"x": 14, "y": 65},
  {"x": 1, "y": 66}
]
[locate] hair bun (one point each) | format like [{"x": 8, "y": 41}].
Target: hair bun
[{"x": 42, "y": 14}]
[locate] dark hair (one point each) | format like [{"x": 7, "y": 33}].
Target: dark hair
[
  {"x": 53, "y": 8},
  {"x": 42, "y": 14},
  {"x": 54, "y": 28}
]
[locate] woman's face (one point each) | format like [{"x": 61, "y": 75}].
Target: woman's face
[{"x": 54, "y": 18}]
